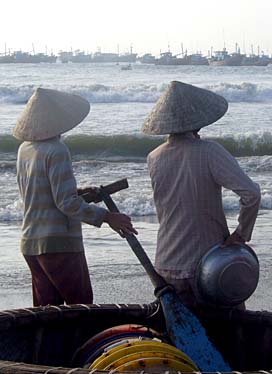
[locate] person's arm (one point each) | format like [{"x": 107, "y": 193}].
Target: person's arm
[
  {"x": 234, "y": 238},
  {"x": 227, "y": 173},
  {"x": 65, "y": 195},
  {"x": 64, "y": 189}
]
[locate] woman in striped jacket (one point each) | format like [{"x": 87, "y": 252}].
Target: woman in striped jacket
[{"x": 51, "y": 241}]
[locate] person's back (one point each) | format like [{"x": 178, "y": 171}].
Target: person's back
[
  {"x": 182, "y": 182},
  {"x": 45, "y": 214},
  {"x": 187, "y": 176}
]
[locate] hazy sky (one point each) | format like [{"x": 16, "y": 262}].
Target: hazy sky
[{"x": 147, "y": 25}]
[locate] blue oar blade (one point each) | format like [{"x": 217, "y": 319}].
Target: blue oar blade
[{"x": 188, "y": 335}]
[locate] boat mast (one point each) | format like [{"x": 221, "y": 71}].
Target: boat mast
[{"x": 224, "y": 42}]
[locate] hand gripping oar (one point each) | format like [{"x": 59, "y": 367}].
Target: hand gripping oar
[{"x": 183, "y": 327}]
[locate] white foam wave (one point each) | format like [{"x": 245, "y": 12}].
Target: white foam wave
[
  {"x": 16, "y": 95},
  {"x": 140, "y": 205},
  {"x": 144, "y": 93},
  {"x": 11, "y": 212},
  {"x": 231, "y": 201},
  {"x": 244, "y": 92},
  {"x": 128, "y": 93},
  {"x": 96, "y": 93},
  {"x": 266, "y": 202}
]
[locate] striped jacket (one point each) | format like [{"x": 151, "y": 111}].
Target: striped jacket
[
  {"x": 52, "y": 209},
  {"x": 187, "y": 176}
]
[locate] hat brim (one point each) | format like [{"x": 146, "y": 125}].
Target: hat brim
[
  {"x": 184, "y": 108},
  {"x": 50, "y": 113}
]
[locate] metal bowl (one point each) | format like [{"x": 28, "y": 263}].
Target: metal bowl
[{"x": 227, "y": 276}]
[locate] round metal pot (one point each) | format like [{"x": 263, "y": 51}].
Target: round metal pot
[{"x": 227, "y": 276}]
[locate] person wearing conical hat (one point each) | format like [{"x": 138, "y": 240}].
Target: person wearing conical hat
[
  {"x": 51, "y": 241},
  {"x": 187, "y": 176}
]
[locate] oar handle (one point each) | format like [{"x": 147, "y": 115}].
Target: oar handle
[
  {"x": 157, "y": 281},
  {"x": 91, "y": 195}
]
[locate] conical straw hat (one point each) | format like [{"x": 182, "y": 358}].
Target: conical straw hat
[
  {"x": 50, "y": 113},
  {"x": 183, "y": 108}
]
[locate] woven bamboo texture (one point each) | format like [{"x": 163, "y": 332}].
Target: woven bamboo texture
[{"x": 43, "y": 340}]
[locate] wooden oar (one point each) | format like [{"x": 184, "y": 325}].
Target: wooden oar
[{"x": 183, "y": 327}]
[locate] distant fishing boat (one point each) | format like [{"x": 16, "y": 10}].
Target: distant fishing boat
[
  {"x": 128, "y": 57},
  {"x": 104, "y": 57},
  {"x": 20, "y": 57},
  {"x": 80, "y": 57},
  {"x": 197, "y": 59},
  {"x": 97, "y": 57},
  {"x": 223, "y": 58},
  {"x": 256, "y": 60},
  {"x": 147, "y": 58},
  {"x": 6, "y": 59},
  {"x": 167, "y": 58}
]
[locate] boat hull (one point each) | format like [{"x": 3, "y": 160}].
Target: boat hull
[
  {"x": 228, "y": 62},
  {"x": 37, "y": 340}
]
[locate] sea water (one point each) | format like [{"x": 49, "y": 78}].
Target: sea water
[{"x": 108, "y": 145}]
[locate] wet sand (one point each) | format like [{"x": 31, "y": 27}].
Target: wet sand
[{"x": 116, "y": 274}]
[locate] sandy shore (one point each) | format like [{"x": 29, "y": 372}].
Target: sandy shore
[{"x": 117, "y": 276}]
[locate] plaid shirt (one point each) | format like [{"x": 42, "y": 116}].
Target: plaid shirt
[{"x": 187, "y": 176}]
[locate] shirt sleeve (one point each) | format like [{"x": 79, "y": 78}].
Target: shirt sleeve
[
  {"x": 149, "y": 167},
  {"x": 227, "y": 173},
  {"x": 64, "y": 190}
]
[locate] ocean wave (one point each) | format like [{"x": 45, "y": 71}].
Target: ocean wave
[
  {"x": 138, "y": 205},
  {"x": 11, "y": 212},
  {"x": 144, "y": 93},
  {"x": 97, "y": 146},
  {"x": 8, "y": 144},
  {"x": 16, "y": 95},
  {"x": 94, "y": 93},
  {"x": 247, "y": 145},
  {"x": 133, "y": 147},
  {"x": 244, "y": 92}
]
